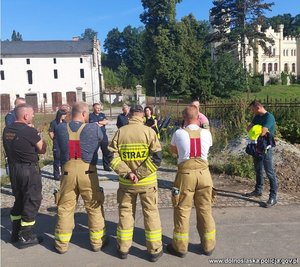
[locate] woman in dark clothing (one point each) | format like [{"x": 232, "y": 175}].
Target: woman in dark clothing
[
  {"x": 150, "y": 120},
  {"x": 60, "y": 118}
]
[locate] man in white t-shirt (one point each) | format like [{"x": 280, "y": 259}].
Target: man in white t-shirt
[{"x": 193, "y": 182}]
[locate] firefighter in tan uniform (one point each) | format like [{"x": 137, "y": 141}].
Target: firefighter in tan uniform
[
  {"x": 136, "y": 157},
  {"x": 193, "y": 182},
  {"x": 79, "y": 142}
]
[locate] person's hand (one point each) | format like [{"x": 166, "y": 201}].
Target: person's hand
[{"x": 132, "y": 176}]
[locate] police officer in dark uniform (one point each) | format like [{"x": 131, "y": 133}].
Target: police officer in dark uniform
[
  {"x": 100, "y": 118},
  {"x": 22, "y": 145}
]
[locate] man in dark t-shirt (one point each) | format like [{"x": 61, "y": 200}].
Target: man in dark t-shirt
[
  {"x": 100, "y": 118},
  {"x": 22, "y": 145},
  {"x": 122, "y": 118}
]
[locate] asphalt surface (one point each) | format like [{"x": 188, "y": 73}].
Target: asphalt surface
[{"x": 243, "y": 234}]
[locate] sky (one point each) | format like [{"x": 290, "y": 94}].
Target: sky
[{"x": 64, "y": 19}]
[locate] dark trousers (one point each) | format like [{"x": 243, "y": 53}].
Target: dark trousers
[
  {"x": 27, "y": 189},
  {"x": 56, "y": 163},
  {"x": 106, "y": 154}
]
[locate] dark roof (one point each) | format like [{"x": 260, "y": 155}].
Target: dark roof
[{"x": 46, "y": 47}]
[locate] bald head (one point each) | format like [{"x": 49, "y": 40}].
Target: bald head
[
  {"x": 190, "y": 114},
  {"x": 19, "y": 101},
  {"x": 24, "y": 113},
  {"x": 80, "y": 112}
]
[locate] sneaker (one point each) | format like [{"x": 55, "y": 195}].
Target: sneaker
[
  {"x": 172, "y": 251},
  {"x": 156, "y": 256},
  {"x": 271, "y": 202},
  {"x": 253, "y": 194}
]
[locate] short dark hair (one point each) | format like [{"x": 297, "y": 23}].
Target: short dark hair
[
  {"x": 136, "y": 108},
  {"x": 255, "y": 103},
  {"x": 96, "y": 104},
  {"x": 18, "y": 109},
  {"x": 190, "y": 112}
]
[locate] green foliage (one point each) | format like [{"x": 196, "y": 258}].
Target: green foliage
[
  {"x": 4, "y": 180},
  {"x": 16, "y": 36},
  {"x": 284, "y": 78},
  {"x": 89, "y": 34},
  {"x": 111, "y": 78},
  {"x": 240, "y": 166},
  {"x": 255, "y": 83},
  {"x": 228, "y": 76},
  {"x": 274, "y": 81},
  {"x": 290, "y": 130}
]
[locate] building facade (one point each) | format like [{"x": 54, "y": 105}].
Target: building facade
[{"x": 50, "y": 73}]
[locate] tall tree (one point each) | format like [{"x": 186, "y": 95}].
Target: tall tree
[
  {"x": 160, "y": 45},
  {"x": 291, "y": 24},
  {"x": 16, "y": 36},
  {"x": 88, "y": 34},
  {"x": 236, "y": 21}
]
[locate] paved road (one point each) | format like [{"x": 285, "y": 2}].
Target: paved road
[{"x": 242, "y": 233}]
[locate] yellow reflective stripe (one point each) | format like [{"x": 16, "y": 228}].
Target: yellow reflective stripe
[
  {"x": 97, "y": 235},
  {"x": 153, "y": 236},
  {"x": 133, "y": 146},
  {"x": 114, "y": 163},
  {"x": 27, "y": 223},
  {"x": 15, "y": 218},
  {"x": 150, "y": 165},
  {"x": 152, "y": 178},
  {"x": 210, "y": 235},
  {"x": 64, "y": 238},
  {"x": 180, "y": 236},
  {"x": 124, "y": 235}
]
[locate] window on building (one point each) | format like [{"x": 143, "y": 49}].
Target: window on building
[
  {"x": 283, "y": 52},
  {"x": 54, "y": 60},
  {"x": 81, "y": 60},
  {"x": 270, "y": 50},
  {"x": 1, "y": 61},
  {"x": 286, "y": 67},
  {"x": 269, "y": 67},
  {"x": 55, "y": 74},
  {"x": 45, "y": 97},
  {"x": 287, "y": 52},
  {"x": 29, "y": 76},
  {"x": 17, "y": 95},
  {"x": 2, "y": 75},
  {"x": 250, "y": 68},
  {"x": 275, "y": 67},
  {"x": 274, "y": 52},
  {"x": 295, "y": 52},
  {"x": 293, "y": 67},
  {"x": 249, "y": 52},
  {"x": 28, "y": 61},
  {"x": 264, "y": 67},
  {"x": 81, "y": 73}
]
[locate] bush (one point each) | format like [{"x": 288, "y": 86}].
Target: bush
[
  {"x": 290, "y": 131},
  {"x": 284, "y": 78},
  {"x": 274, "y": 81}
]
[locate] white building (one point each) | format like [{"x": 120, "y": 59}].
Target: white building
[
  {"x": 50, "y": 73},
  {"x": 282, "y": 55}
]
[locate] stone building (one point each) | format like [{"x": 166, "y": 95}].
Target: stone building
[{"x": 50, "y": 73}]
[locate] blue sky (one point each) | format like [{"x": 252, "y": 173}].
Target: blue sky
[{"x": 63, "y": 19}]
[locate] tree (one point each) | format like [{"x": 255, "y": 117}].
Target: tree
[
  {"x": 161, "y": 59},
  {"x": 89, "y": 34},
  {"x": 228, "y": 75},
  {"x": 16, "y": 36},
  {"x": 291, "y": 24},
  {"x": 236, "y": 21}
]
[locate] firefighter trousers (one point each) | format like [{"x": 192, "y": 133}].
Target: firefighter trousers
[
  {"x": 79, "y": 178},
  {"x": 194, "y": 182},
  {"x": 127, "y": 197}
]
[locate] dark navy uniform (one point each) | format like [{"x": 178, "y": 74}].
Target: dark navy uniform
[
  {"x": 10, "y": 118},
  {"x": 19, "y": 141},
  {"x": 107, "y": 156}
]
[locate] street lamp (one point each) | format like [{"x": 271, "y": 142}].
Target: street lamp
[{"x": 154, "y": 82}]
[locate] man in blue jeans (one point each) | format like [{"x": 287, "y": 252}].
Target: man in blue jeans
[{"x": 267, "y": 121}]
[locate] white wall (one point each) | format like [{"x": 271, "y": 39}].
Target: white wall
[{"x": 68, "y": 68}]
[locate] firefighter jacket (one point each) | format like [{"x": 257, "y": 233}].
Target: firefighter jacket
[{"x": 136, "y": 148}]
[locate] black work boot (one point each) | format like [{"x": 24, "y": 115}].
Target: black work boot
[
  {"x": 16, "y": 225},
  {"x": 27, "y": 237}
]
